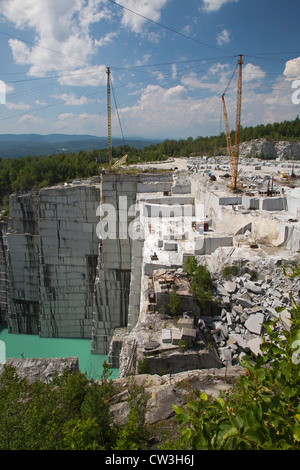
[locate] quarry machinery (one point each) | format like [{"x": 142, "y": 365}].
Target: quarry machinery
[{"x": 234, "y": 153}]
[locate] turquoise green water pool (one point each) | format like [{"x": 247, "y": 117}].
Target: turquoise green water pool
[{"x": 32, "y": 346}]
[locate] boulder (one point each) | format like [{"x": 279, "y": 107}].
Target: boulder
[
  {"x": 254, "y": 345},
  {"x": 230, "y": 286},
  {"x": 226, "y": 356},
  {"x": 254, "y": 323},
  {"x": 240, "y": 341},
  {"x": 40, "y": 368},
  {"x": 252, "y": 287},
  {"x": 285, "y": 319},
  {"x": 244, "y": 302}
]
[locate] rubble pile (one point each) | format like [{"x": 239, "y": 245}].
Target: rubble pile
[{"x": 239, "y": 328}]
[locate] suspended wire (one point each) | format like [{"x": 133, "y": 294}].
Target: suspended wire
[
  {"x": 43, "y": 47},
  {"x": 174, "y": 62},
  {"x": 40, "y": 109},
  {"x": 231, "y": 78},
  {"x": 168, "y": 28},
  {"x": 112, "y": 88},
  {"x": 73, "y": 74},
  {"x": 142, "y": 68}
]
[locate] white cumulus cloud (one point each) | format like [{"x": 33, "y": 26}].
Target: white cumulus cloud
[
  {"x": 253, "y": 72},
  {"x": 20, "y": 105},
  {"x": 72, "y": 100},
  {"x": 63, "y": 40},
  {"x": 223, "y": 37},
  {"x": 292, "y": 69},
  {"x": 146, "y": 8},
  {"x": 215, "y": 5}
]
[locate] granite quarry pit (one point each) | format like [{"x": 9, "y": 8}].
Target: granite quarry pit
[{"x": 62, "y": 276}]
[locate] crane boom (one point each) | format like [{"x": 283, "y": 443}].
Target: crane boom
[{"x": 228, "y": 137}]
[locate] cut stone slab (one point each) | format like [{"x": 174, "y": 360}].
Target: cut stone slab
[
  {"x": 231, "y": 341},
  {"x": 185, "y": 323},
  {"x": 222, "y": 291},
  {"x": 226, "y": 356},
  {"x": 255, "y": 322},
  {"x": 275, "y": 293},
  {"x": 238, "y": 309},
  {"x": 229, "y": 319},
  {"x": 176, "y": 335},
  {"x": 188, "y": 334},
  {"x": 285, "y": 318},
  {"x": 244, "y": 302},
  {"x": 240, "y": 341},
  {"x": 230, "y": 286},
  {"x": 166, "y": 336},
  {"x": 252, "y": 287},
  {"x": 255, "y": 309},
  {"x": 254, "y": 345},
  {"x": 149, "y": 346},
  {"x": 272, "y": 312}
]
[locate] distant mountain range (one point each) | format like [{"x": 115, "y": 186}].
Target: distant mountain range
[{"x": 21, "y": 145}]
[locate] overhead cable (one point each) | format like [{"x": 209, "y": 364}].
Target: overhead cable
[{"x": 168, "y": 28}]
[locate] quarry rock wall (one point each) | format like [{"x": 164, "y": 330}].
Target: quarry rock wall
[
  {"x": 50, "y": 252},
  {"x": 22, "y": 257},
  {"x": 270, "y": 149},
  {"x": 59, "y": 276},
  {"x": 68, "y": 253},
  {"x": 3, "y": 272},
  {"x": 118, "y": 281}
]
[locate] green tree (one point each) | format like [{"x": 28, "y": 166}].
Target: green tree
[
  {"x": 134, "y": 434},
  {"x": 71, "y": 412},
  {"x": 200, "y": 280},
  {"x": 174, "y": 304}
]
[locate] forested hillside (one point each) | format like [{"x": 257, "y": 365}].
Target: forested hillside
[
  {"x": 38, "y": 171},
  {"x": 287, "y": 130}
]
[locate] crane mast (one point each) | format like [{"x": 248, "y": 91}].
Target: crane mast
[
  {"x": 109, "y": 117},
  {"x": 234, "y": 157},
  {"x": 123, "y": 159}
]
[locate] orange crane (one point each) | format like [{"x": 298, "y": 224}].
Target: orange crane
[{"x": 234, "y": 156}]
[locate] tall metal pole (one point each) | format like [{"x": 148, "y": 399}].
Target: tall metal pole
[
  {"x": 238, "y": 123},
  {"x": 109, "y": 117}
]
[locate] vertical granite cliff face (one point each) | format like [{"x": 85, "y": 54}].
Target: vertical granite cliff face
[
  {"x": 61, "y": 275},
  {"x": 118, "y": 194},
  {"x": 3, "y": 272},
  {"x": 48, "y": 259},
  {"x": 22, "y": 257},
  {"x": 68, "y": 251}
]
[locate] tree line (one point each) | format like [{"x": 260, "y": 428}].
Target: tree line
[
  {"x": 70, "y": 413},
  {"x": 24, "y": 173}
]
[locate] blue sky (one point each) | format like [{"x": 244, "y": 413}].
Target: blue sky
[{"x": 170, "y": 62}]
